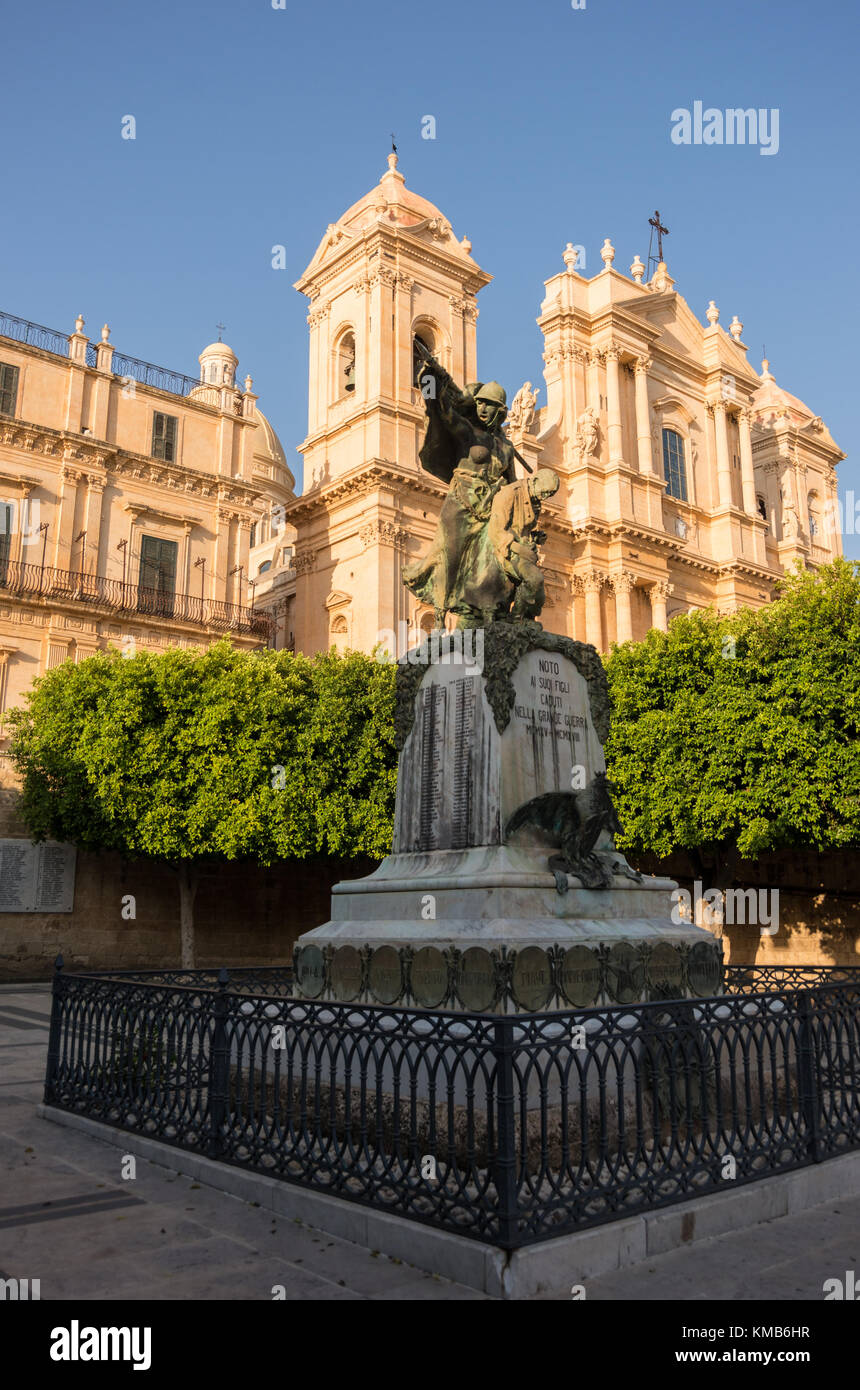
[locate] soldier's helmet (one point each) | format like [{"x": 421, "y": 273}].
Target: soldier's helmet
[{"x": 493, "y": 393}]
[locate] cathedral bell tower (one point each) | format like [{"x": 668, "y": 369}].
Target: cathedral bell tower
[{"x": 388, "y": 272}]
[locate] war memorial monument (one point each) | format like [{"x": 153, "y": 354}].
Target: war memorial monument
[{"x": 504, "y": 891}]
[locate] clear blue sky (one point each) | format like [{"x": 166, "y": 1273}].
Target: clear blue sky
[{"x": 258, "y": 127}]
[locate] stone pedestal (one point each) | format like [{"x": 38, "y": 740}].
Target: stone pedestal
[{"x": 501, "y": 738}]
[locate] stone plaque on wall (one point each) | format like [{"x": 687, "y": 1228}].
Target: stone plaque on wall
[{"x": 37, "y": 878}]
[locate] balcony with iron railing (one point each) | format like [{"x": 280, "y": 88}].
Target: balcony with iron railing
[
  {"x": 127, "y": 368},
  {"x": 135, "y": 601}
]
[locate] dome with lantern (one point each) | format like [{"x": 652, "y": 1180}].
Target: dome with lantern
[{"x": 218, "y": 363}]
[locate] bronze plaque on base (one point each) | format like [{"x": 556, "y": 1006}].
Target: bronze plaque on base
[
  {"x": 532, "y": 981},
  {"x": 346, "y": 974},
  {"x": 310, "y": 971},
  {"x": 667, "y": 972},
  {"x": 476, "y": 981},
  {"x": 704, "y": 967},
  {"x": 385, "y": 978},
  {"x": 625, "y": 974},
  {"x": 580, "y": 976},
  {"x": 429, "y": 977}
]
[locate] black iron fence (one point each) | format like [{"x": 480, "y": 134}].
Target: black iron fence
[
  {"x": 507, "y": 1129},
  {"x": 34, "y": 334},
  {"x": 149, "y": 374},
  {"x": 136, "y": 600}
]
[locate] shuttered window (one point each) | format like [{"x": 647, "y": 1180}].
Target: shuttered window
[
  {"x": 8, "y": 388},
  {"x": 164, "y": 436},
  {"x": 157, "y": 578},
  {"x": 5, "y": 538}
]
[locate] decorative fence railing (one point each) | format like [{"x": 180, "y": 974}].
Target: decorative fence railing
[
  {"x": 148, "y": 374},
  {"x": 132, "y": 599},
  {"x": 34, "y": 334},
  {"x": 507, "y": 1129},
  {"x": 129, "y": 368}
]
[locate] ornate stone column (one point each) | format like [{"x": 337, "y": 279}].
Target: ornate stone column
[
  {"x": 5, "y": 654},
  {"x": 747, "y": 470},
  {"x": 23, "y": 523},
  {"x": 724, "y": 463},
  {"x": 93, "y": 518},
  {"x": 592, "y": 583},
  {"x": 623, "y": 585},
  {"x": 66, "y": 518},
  {"x": 660, "y": 592},
  {"x": 613, "y": 406},
  {"x": 643, "y": 422}
]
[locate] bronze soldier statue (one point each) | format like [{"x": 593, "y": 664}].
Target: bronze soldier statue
[{"x": 463, "y": 573}]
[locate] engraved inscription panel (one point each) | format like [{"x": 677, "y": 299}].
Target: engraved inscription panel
[
  {"x": 385, "y": 975},
  {"x": 531, "y": 978},
  {"x": 580, "y": 976},
  {"x": 704, "y": 967},
  {"x": 667, "y": 972},
  {"x": 429, "y": 977},
  {"x": 625, "y": 974},
  {"x": 346, "y": 973},
  {"x": 550, "y": 744},
  {"x": 310, "y": 971},
  {"x": 447, "y": 775},
  {"x": 36, "y": 878},
  {"x": 476, "y": 982}
]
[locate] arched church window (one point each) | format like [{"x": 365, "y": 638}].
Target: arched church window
[
  {"x": 344, "y": 365},
  {"x": 265, "y": 567},
  {"x": 674, "y": 467},
  {"x": 813, "y": 507},
  {"x": 426, "y": 339},
  {"x": 213, "y": 373}
]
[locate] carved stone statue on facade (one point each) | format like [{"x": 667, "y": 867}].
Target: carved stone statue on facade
[
  {"x": 522, "y": 412},
  {"x": 587, "y": 432},
  {"x": 482, "y": 564}
]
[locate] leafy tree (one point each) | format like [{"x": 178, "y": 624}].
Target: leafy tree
[
  {"x": 739, "y": 734},
  {"x": 191, "y": 756}
]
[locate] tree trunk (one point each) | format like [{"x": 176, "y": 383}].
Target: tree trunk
[{"x": 187, "y": 894}]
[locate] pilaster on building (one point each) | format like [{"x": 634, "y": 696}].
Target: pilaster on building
[{"x": 689, "y": 479}]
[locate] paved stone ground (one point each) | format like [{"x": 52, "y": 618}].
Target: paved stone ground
[{"x": 68, "y": 1219}]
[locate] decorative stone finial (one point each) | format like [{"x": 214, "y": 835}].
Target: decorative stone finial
[
  {"x": 466, "y": 245},
  {"x": 637, "y": 269},
  {"x": 105, "y": 333},
  {"x": 249, "y": 383},
  {"x": 713, "y": 314},
  {"x": 570, "y": 255},
  {"x": 393, "y": 171},
  {"x": 765, "y": 370},
  {"x": 736, "y": 328},
  {"x": 607, "y": 253},
  {"x": 79, "y": 324}
]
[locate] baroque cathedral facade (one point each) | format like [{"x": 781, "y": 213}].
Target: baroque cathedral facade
[{"x": 688, "y": 479}]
